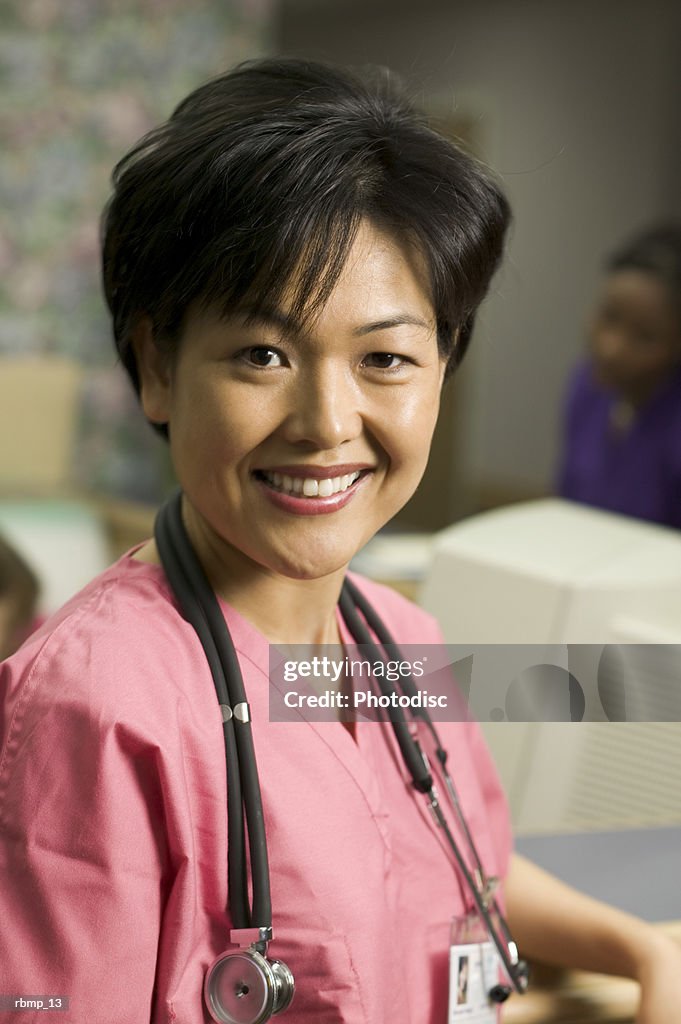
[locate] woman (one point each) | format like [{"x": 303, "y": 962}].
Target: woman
[
  {"x": 622, "y": 447},
  {"x": 292, "y": 264}
]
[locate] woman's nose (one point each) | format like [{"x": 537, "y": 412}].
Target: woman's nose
[{"x": 324, "y": 408}]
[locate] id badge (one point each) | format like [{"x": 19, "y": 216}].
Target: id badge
[{"x": 473, "y": 971}]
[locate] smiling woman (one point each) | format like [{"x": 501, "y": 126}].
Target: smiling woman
[
  {"x": 295, "y": 445},
  {"x": 292, "y": 262}
]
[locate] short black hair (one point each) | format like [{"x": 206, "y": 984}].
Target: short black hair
[
  {"x": 657, "y": 251},
  {"x": 262, "y": 176}
]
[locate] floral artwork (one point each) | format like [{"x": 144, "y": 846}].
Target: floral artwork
[{"x": 80, "y": 81}]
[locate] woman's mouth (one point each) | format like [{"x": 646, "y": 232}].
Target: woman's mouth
[
  {"x": 309, "y": 487},
  {"x": 310, "y": 495}
]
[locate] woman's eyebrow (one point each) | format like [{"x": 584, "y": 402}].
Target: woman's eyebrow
[
  {"x": 272, "y": 317},
  {"x": 393, "y": 321},
  {"x": 269, "y": 316}
]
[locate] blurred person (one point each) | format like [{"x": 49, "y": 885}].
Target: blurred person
[
  {"x": 19, "y": 593},
  {"x": 292, "y": 263},
  {"x": 622, "y": 430}
]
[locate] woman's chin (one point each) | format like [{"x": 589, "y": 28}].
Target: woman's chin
[{"x": 310, "y": 568}]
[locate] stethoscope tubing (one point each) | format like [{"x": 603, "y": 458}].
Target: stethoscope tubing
[
  {"x": 200, "y": 607},
  {"x": 421, "y": 777},
  {"x": 246, "y": 792},
  {"x": 202, "y": 610},
  {"x": 411, "y": 754}
]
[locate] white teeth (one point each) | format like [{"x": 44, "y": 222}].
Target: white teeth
[{"x": 311, "y": 487}]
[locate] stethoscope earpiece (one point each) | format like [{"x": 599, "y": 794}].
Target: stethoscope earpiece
[
  {"x": 244, "y": 987},
  {"x": 500, "y": 993}
]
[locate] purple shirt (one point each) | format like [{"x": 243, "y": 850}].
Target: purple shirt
[{"x": 635, "y": 471}]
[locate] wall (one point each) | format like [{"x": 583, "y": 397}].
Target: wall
[
  {"x": 81, "y": 82},
  {"x": 575, "y": 109}
]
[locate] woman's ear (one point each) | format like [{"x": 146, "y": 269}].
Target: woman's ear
[{"x": 153, "y": 367}]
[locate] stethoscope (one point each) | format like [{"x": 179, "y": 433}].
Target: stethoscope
[{"x": 244, "y": 986}]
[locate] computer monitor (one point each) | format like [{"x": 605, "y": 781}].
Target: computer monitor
[{"x": 563, "y": 576}]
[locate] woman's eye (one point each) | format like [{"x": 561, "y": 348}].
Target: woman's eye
[
  {"x": 384, "y": 360},
  {"x": 262, "y": 355}
]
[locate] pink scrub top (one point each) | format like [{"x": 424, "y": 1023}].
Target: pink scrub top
[{"x": 113, "y": 825}]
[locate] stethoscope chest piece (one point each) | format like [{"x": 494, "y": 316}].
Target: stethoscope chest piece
[{"x": 244, "y": 987}]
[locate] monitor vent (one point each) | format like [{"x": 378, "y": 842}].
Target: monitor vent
[{"x": 626, "y": 775}]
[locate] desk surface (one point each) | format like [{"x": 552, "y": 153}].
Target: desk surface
[{"x": 633, "y": 869}]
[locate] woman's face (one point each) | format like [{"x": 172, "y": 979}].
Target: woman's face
[
  {"x": 635, "y": 334},
  {"x": 293, "y": 447}
]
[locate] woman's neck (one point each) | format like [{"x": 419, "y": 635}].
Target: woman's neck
[
  {"x": 284, "y": 610},
  {"x": 288, "y": 611}
]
